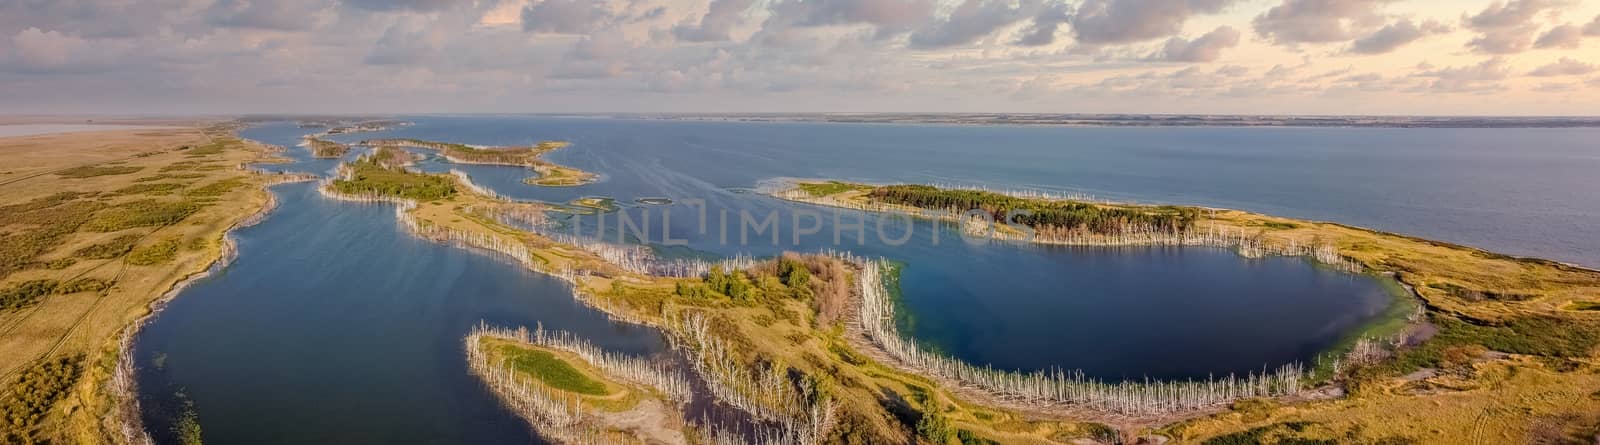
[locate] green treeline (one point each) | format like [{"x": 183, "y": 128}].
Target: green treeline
[{"x": 1061, "y": 214}]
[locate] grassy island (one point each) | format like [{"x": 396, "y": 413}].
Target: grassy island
[
  {"x": 89, "y": 241},
  {"x": 550, "y": 174},
  {"x": 383, "y": 173}
]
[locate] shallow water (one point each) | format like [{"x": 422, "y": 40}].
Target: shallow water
[{"x": 39, "y": 129}]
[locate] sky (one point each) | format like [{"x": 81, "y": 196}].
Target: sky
[{"x": 1388, "y": 57}]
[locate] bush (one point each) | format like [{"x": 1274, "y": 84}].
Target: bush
[
  {"x": 39, "y": 388},
  {"x": 934, "y": 427},
  {"x": 24, "y": 294}
]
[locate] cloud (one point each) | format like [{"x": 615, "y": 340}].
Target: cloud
[
  {"x": 1508, "y": 28},
  {"x": 717, "y": 22},
  {"x": 564, "y": 16},
  {"x": 1564, "y": 67},
  {"x": 1481, "y": 78},
  {"x": 970, "y": 21},
  {"x": 1042, "y": 31},
  {"x": 403, "y": 5},
  {"x": 889, "y": 16},
  {"x": 1318, "y": 21},
  {"x": 1566, "y": 36},
  {"x": 1206, "y": 48},
  {"x": 601, "y": 55},
  {"x": 49, "y": 52},
  {"x": 1593, "y": 28},
  {"x": 403, "y": 43},
  {"x": 276, "y": 15},
  {"x": 1109, "y": 22},
  {"x": 1396, "y": 35}
]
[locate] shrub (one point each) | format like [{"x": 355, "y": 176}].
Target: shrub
[
  {"x": 25, "y": 294},
  {"x": 934, "y": 427},
  {"x": 39, "y": 388}
]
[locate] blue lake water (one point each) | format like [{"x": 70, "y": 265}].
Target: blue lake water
[{"x": 334, "y": 325}]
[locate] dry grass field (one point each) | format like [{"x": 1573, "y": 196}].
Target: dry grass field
[{"x": 95, "y": 227}]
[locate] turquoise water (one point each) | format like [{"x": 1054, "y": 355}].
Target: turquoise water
[{"x": 335, "y": 326}]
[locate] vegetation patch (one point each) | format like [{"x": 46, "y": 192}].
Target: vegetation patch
[
  {"x": 369, "y": 176},
  {"x": 151, "y": 188},
  {"x": 820, "y": 189},
  {"x": 214, "y": 148},
  {"x": 90, "y": 171},
  {"x": 83, "y": 285},
  {"x": 551, "y": 370},
  {"x": 25, "y": 294},
  {"x": 166, "y": 176},
  {"x": 33, "y": 393},
  {"x": 47, "y": 229},
  {"x": 161, "y": 252},
  {"x": 116, "y": 247},
  {"x": 323, "y": 148},
  {"x": 218, "y": 188},
  {"x": 142, "y": 213}
]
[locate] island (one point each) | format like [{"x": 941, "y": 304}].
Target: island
[{"x": 550, "y": 174}]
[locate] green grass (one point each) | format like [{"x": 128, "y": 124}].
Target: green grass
[
  {"x": 107, "y": 250},
  {"x": 161, "y": 252},
  {"x": 83, "y": 285},
  {"x": 165, "y": 176},
  {"x": 551, "y": 370},
  {"x": 218, "y": 188},
  {"x": 92, "y": 171},
  {"x": 1459, "y": 342},
  {"x": 149, "y": 188},
  {"x": 829, "y": 188},
  {"x": 141, "y": 213}
]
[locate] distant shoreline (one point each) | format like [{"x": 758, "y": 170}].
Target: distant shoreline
[{"x": 1124, "y": 120}]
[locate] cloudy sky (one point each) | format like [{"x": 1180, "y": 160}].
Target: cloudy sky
[{"x": 1158, "y": 56}]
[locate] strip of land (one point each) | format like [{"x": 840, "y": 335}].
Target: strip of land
[
  {"x": 550, "y": 174},
  {"x": 95, "y": 228}
]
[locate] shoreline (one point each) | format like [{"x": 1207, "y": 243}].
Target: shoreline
[{"x": 126, "y": 418}]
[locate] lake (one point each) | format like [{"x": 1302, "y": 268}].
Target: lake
[{"x": 334, "y": 325}]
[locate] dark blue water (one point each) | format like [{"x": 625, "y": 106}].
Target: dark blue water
[{"x": 336, "y": 326}]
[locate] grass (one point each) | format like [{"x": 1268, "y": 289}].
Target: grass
[
  {"x": 47, "y": 223},
  {"x": 113, "y": 248},
  {"x": 218, "y": 188},
  {"x": 820, "y": 189},
  {"x": 551, "y": 370},
  {"x": 166, "y": 176},
  {"x": 151, "y": 188},
  {"x": 93, "y": 171},
  {"x": 159, "y": 253},
  {"x": 141, "y": 213}
]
